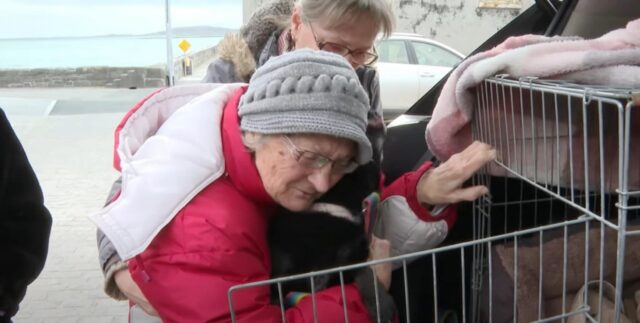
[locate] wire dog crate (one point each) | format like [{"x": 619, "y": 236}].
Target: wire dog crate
[
  {"x": 573, "y": 255},
  {"x": 557, "y": 239}
]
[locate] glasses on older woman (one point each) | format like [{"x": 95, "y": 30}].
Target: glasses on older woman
[
  {"x": 361, "y": 57},
  {"x": 312, "y": 160}
]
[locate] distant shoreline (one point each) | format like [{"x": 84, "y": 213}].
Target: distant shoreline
[
  {"x": 178, "y": 32},
  {"x": 114, "y": 51},
  {"x": 109, "y": 36}
]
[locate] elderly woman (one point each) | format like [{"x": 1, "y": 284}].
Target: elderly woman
[
  {"x": 414, "y": 207},
  {"x": 214, "y": 161},
  {"x": 348, "y": 28}
]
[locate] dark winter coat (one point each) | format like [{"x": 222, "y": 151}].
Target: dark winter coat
[{"x": 25, "y": 223}]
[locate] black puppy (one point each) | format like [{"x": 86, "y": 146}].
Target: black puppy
[
  {"x": 324, "y": 237},
  {"x": 313, "y": 240}
]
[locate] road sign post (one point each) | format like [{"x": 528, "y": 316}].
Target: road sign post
[
  {"x": 170, "y": 80},
  {"x": 186, "y": 61}
]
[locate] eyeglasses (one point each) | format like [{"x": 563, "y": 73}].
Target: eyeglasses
[
  {"x": 313, "y": 160},
  {"x": 361, "y": 57}
]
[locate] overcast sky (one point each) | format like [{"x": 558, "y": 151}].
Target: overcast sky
[{"x": 63, "y": 18}]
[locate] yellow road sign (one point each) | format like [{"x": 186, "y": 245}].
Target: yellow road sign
[{"x": 184, "y": 45}]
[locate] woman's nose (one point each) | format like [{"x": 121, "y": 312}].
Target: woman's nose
[
  {"x": 321, "y": 179},
  {"x": 353, "y": 63}
]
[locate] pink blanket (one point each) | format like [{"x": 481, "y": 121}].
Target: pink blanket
[{"x": 612, "y": 59}]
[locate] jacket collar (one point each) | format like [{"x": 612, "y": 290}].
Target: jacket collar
[
  {"x": 271, "y": 48},
  {"x": 239, "y": 162}
]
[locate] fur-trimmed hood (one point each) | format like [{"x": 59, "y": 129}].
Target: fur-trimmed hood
[
  {"x": 234, "y": 49},
  {"x": 243, "y": 48}
]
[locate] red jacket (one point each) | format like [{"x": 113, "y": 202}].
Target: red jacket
[{"x": 218, "y": 240}]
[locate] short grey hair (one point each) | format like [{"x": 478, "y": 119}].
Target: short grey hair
[
  {"x": 340, "y": 12},
  {"x": 252, "y": 140}
]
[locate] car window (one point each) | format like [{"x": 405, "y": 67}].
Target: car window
[
  {"x": 392, "y": 51},
  {"x": 429, "y": 54}
]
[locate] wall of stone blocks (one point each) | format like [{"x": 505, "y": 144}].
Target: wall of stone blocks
[{"x": 116, "y": 77}]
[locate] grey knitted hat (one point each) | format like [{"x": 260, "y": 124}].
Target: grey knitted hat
[{"x": 307, "y": 91}]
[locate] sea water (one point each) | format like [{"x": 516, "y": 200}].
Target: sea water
[{"x": 115, "y": 51}]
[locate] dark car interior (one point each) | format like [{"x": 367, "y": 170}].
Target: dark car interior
[{"x": 405, "y": 149}]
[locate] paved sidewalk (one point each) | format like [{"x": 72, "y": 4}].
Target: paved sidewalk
[
  {"x": 68, "y": 136},
  {"x": 72, "y": 157}
]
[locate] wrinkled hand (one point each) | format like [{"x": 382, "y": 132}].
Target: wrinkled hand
[
  {"x": 443, "y": 184},
  {"x": 130, "y": 289},
  {"x": 381, "y": 249}
]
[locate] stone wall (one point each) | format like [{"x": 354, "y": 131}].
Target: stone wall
[{"x": 116, "y": 77}]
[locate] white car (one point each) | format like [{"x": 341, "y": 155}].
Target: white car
[{"x": 409, "y": 65}]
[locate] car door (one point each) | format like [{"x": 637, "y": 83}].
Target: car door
[
  {"x": 434, "y": 62},
  {"x": 399, "y": 84}
]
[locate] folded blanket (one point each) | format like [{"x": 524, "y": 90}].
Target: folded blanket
[
  {"x": 612, "y": 59},
  {"x": 528, "y": 269}
]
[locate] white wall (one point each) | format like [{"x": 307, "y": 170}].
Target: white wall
[{"x": 461, "y": 24}]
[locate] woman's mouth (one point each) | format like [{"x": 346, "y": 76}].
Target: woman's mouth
[{"x": 305, "y": 194}]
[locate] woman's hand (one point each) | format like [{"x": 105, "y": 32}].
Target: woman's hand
[
  {"x": 129, "y": 288},
  {"x": 381, "y": 249},
  {"x": 443, "y": 184}
]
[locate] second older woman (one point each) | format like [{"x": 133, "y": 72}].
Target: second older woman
[
  {"x": 203, "y": 168},
  {"x": 345, "y": 27}
]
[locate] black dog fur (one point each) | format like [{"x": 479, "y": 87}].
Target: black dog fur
[{"x": 302, "y": 242}]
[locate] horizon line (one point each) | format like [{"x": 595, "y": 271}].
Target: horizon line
[{"x": 150, "y": 35}]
